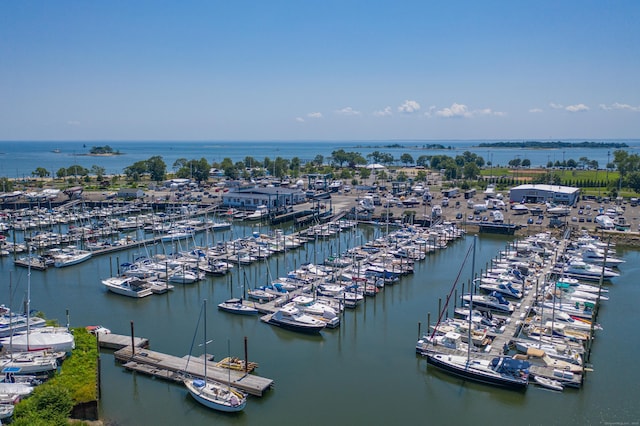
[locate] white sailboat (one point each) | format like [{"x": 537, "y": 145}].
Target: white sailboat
[
  {"x": 214, "y": 395},
  {"x": 23, "y": 361}
]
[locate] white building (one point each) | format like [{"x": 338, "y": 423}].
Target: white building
[
  {"x": 540, "y": 193},
  {"x": 272, "y": 197}
]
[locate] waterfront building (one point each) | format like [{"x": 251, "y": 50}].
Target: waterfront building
[
  {"x": 272, "y": 197},
  {"x": 540, "y": 193}
]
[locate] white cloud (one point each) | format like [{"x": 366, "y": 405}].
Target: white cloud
[
  {"x": 300, "y": 119},
  {"x": 577, "y": 108},
  {"x": 555, "y": 105},
  {"x": 457, "y": 110},
  {"x": 535, "y": 110},
  {"x": 347, "y": 111},
  {"x": 383, "y": 113},
  {"x": 409, "y": 107},
  {"x": 454, "y": 111},
  {"x": 314, "y": 115},
  {"x": 429, "y": 112},
  {"x": 619, "y": 106}
]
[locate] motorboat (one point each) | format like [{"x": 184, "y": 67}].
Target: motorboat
[
  {"x": 236, "y": 306},
  {"x": 539, "y": 357},
  {"x": 15, "y": 323},
  {"x": 260, "y": 212},
  {"x": 493, "y": 301},
  {"x": 184, "y": 277},
  {"x": 449, "y": 340},
  {"x": 517, "y": 209},
  {"x": 128, "y": 286},
  {"x": 70, "y": 256},
  {"x": 562, "y": 352},
  {"x": 558, "y": 210},
  {"x": 499, "y": 371},
  {"x": 603, "y": 221},
  {"x": 503, "y": 287},
  {"x": 548, "y": 383},
  {"x": 591, "y": 254},
  {"x": 582, "y": 270},
  {"x": 291, "y": 318},
  {"x": 28, "y": 363}
]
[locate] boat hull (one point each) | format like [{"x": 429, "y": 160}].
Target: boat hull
[
  {"x": 206, "y": 399},
  {"x": 439, "y": 361}
]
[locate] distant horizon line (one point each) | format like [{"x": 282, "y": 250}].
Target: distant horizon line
[{"x": 319, "y": 140}]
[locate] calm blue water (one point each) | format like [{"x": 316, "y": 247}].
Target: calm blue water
[
  {"x": 365, "y": 372},
  {"x": 20, "y": 159}
]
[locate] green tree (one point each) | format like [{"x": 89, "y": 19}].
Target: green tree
[
  {"x": 295, "y": 167},
  {"x": 40, "y": 172},
  {"x": 423, "y": 161},
  {"x": 156, "y": 168},
  {"x": 406, "y": 158},
  {"x": 179, "y": 163},
  {"x": 364, "y": 173},
  {"x": 421, "y": 176},
  {"x": 6, "y": 185},
  {"x": 98, "y": 171},
  {"x": 471, "y": 170},
  {"x": 135, "y": 171},
  {"x": 197, "y": 170},
  {"x": 229, "y": 168},
  {"x": 526, "y": 163},
  {"x": 345, "y": 174}
]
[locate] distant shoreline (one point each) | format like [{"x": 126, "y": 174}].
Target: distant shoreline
[
  {"x": 109, "y": 154},
  {"x": 553, "y": 145}
]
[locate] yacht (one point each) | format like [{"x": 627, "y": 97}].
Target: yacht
[
  {"x": 494, "y": 301},
  {"x": 292, "y": 318},
  {"x": 70, "y": 256},
  {"x": 261, "y": 212},
  {"x": 128, "y": 286},
  {"x": 582, "y": 270}
]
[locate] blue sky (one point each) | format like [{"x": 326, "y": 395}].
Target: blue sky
[{"x": 323, "y": 70}]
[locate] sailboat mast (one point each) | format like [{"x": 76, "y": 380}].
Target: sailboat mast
[
  {"x": 28, "y": 295},
  {"x": 204, "y": 342},
  {"x": 473, "y": 267}
]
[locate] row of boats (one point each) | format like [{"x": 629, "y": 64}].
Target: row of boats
[{"x": 555, "y": 308}]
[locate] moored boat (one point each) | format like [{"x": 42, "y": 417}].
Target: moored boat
[
  {"x": 236, "y": 306},
  {"x": 291, "y": 318}
]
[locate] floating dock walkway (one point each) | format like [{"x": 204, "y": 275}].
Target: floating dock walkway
[{"x": 174, "y": 368}]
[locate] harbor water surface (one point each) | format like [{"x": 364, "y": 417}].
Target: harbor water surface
[{"x": 364, "y": 372}]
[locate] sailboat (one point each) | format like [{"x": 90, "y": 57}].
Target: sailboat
[
  {"x": 26, "y": 362},
  {"x": 214, "y": 395},
  {"x": 500, "y": 371}
]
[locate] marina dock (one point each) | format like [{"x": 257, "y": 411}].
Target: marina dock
[{"x": 173, "y": 368}]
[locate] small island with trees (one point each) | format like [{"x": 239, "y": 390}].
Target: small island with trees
[{"x": 103, "y": 151}]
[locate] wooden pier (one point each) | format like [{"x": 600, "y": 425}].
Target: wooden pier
[
  {"x": 119, "y": 341},
  {"x": 174, "y": 368}
]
